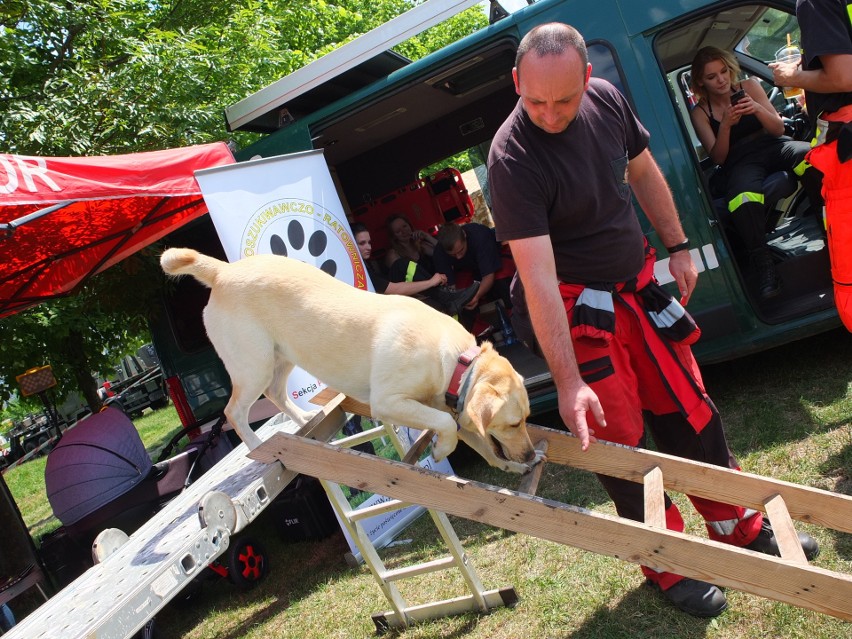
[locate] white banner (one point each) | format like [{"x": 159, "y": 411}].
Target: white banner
[{"x": 285, "y": 205}]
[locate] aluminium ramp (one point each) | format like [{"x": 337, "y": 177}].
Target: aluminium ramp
[{"x": 117, "y": 597}]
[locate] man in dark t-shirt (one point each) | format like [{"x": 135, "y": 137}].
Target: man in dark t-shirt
[
  {"x": 562, "y": 169},
  {"x": 472, "y": 250}
]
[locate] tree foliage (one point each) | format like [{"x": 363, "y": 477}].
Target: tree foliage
[{"x": 97, "y": 77}]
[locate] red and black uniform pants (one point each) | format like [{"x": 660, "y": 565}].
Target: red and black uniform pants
[{"x": 635, "y": 393}]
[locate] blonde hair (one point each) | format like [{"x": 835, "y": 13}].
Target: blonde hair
[{"x": 709, "y": 54}]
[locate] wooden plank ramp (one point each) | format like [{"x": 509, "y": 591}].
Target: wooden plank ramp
[{"x": 789, "y": 579}]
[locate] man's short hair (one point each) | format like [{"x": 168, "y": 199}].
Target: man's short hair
[
  {"x": 448, "y": 235},
  {"x": 553, "y": 38}
]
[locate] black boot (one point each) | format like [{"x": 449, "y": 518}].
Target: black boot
[
  {"x": 450, "y": 300},
  {"x": 768, "y": 284},
  {"x": 697, "y": 598},
  {"x": 766, "y": 543}
]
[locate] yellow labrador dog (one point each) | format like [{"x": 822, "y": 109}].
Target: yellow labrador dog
[{"x": 268, "y": 314}]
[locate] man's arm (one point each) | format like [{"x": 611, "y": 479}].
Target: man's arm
[
  {"x": 537, "y": 268},
  {"x": 416, "y": 287},
  {"x": 835, "y": 76},
  {"x": 655, "y": 198}
]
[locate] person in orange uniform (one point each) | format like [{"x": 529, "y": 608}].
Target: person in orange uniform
[{"x": 826, "y": 77}]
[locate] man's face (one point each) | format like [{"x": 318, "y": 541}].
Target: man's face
[
  {"x": 551, "y": 88},
  {"x": 458, "y": 249},
  {"x": 362, "y": 239}
]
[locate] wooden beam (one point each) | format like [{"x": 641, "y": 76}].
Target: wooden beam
[
  {"x": 330, "y": 416},
  {"x": 800, "y": 585},
  {"x": 806, "y": 504},
  {"x": 803, "y": 503},
  {"x": 347, "y": 403}
]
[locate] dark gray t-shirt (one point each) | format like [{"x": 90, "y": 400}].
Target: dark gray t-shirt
[
  {"x": 573, "y": 186},
  {"x": 826, "y": 29}
]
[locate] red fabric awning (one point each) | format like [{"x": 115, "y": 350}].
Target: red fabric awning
[{"x": 63, "y": 220}]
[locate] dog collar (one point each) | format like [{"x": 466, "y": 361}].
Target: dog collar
[{"x": 455, "y": 396}]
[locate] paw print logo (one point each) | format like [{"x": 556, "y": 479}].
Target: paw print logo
[{"x": 312, "y": 247}]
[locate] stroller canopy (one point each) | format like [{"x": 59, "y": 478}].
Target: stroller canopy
[{"x": 95, "y": 462}]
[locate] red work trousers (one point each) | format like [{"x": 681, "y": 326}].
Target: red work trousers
[{"x": 634, "y": 386}]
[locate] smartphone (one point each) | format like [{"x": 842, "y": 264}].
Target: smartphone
[{"x": 736, "y": 97}]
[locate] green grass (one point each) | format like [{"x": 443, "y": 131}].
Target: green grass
[{"x": 788, "y": 414}]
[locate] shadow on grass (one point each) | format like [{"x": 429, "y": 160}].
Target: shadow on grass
[
  {"x": 314, "y": 563},
  {"x": 838, "y": 468},
  {"x": 640, "y": 613}
]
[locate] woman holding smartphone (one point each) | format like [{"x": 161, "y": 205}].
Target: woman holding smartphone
[{"x": 744, "y": 134}]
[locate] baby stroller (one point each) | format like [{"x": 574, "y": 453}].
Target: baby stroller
[{"x": 100, "y": 476}]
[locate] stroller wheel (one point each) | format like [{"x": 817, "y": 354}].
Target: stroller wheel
[{"x": 248, "y": 564}]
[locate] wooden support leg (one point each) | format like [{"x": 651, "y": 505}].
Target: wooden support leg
[
  {"x": 655, "y": 501},
  {"x": 529, "y": 482},
  {"x": 785, "y": 533},
  {"x": 417, "y": 448}
]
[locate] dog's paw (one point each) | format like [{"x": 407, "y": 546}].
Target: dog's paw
[
  {"x": 443, "y": 446},
  {"x": 524, "y": 468},
  {"x": 540, "y": 457}
]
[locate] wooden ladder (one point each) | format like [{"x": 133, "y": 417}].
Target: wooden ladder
[
  {"x": 403, "y": 614},
  {"x": 788, "y": 578}
]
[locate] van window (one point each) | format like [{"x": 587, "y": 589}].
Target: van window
[
  {"x": 604, "y": 65},
  {"x": 768, "y": 35},
  {"x": 185, "y": 302}
]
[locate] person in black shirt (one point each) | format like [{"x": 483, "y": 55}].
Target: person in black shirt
[{"x": 430, "y": 288}]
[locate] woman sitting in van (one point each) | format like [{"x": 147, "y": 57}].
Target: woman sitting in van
[
  {"x": 744, "y": 134},
  {"x": 409, "y": 244}
]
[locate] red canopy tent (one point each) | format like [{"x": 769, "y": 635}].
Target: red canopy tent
[{"x": 63, "y": 220}]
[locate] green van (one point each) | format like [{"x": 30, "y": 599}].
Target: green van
[{"x": 383, "y": 122}]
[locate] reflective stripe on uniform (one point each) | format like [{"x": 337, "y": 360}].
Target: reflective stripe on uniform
[
  {"x": 669, "y": 316},
  {"x": 409, "y": 272},
  {"x": 745, "y": 198},
  {"x": 727, "y": 527}
]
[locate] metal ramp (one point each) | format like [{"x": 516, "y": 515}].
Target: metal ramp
[
  {"x": 402, "y": 613},
  {"x": 789, "y": 579},
  {"x": 118, "y": 596}
]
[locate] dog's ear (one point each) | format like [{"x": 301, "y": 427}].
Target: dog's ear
[{"x": 484, "y": 402}]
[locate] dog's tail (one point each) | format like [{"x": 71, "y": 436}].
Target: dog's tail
[{"x": 185, "y": 261}]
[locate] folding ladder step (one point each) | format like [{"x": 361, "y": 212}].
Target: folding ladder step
[
  {"x": 378, "y": 509},
  {"x": 419, "y": 569},
  {"x": 403, "y": 614}
]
